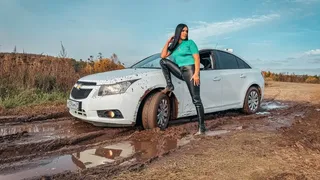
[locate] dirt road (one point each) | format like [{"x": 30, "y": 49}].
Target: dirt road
[{"x": 281, "y": 141}]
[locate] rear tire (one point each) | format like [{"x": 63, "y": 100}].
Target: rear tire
[
  {"x": 156, "y": 111},
  {"x": 252, "y": 101}
]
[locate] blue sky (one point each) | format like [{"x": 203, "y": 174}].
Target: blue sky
[{"x": 270, "y": 34}]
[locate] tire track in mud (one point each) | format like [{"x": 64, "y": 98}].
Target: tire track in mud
[
  {"x": 13, "y": 137},
  {"x": 23, "y": 149},
  {"x": 32, "y": 118}
]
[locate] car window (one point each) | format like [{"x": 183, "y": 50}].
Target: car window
[
  {"x": 242, "y": 64},
  {"x": 150, "y": 62},
  {"x": 227, "y": 61},
  {"x": 205, "y": 61}
]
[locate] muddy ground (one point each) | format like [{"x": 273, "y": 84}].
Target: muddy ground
[{"x": 281, "y": 141}]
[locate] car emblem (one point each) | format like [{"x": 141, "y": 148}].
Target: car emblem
[{"x": 78, "y": 86}]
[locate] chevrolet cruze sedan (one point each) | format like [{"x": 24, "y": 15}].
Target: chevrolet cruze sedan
[{"x": 132, "y": 96}]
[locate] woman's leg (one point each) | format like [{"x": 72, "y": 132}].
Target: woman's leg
[
  {"x": 169, "y": 67},
  {"x": 187, "y": 72}
]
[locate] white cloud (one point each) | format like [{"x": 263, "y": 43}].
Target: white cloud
[
  {"x": 204, "y": 30},
  {"x": 313, "y": 52}
]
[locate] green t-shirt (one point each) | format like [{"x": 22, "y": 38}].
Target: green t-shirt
[{"x": 183, "y": 54}]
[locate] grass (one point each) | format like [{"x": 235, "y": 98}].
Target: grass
[{"x": 31, "y": 97}]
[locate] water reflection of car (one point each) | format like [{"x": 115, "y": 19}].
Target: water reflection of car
[
  {"x": 102, "y": 155},
  {"x": 132, "y": 150},
  {"x": 132, "y": 96}
]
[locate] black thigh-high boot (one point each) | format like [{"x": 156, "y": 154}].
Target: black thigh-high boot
[
  {"x": 194, "y": 90},
  {"x": 169, "y": 67},
  {"x": 200, "y": 113}
]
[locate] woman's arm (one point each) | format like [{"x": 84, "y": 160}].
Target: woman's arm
[
  {"x": 195, "y": 53},
  {"x": 196, "y": 58},
  {"x": 165, "y": 53},
  {"x": 196, "y": 75}
]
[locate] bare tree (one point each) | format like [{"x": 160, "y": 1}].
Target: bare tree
[
  {"x": 114, "y": 58},
  {"x": 63, "y": 52}
]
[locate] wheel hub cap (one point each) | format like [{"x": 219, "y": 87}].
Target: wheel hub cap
[
  {"x": 253, "y": 100},
  {"x": 162, "y": 115}
]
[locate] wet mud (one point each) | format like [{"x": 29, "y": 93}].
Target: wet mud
[
  {"x": 25, "y": 118},
  {"x": 57, "y": 146}
]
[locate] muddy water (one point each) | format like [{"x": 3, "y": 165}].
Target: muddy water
[
  {"x": 32, "y": 128},
  {"x": 217, "y": 132},
  {"x": 136, "y": 151},
  {"x": 48, "y": 166},
  {"x": 270, "y": 105},
  {"x": 70, "y": 127}
]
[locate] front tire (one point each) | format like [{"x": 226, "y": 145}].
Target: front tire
[
  {"x": 252, "y": 101},
  {"x": 156, "y": 111}
]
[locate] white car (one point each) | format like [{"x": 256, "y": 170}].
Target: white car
[{"x": 132, "y": 96}]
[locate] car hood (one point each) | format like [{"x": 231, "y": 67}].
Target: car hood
[{"x": 115, "y": 76}]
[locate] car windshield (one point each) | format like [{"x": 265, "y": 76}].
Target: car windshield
[{"x": 152, "y": 61}]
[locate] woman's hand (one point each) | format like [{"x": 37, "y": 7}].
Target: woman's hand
[
  {"x": 196, "y": 79},
  {"x": 170, "y": 39}
]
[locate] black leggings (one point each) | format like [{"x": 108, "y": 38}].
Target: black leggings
[{"x": 184, "y": 73}]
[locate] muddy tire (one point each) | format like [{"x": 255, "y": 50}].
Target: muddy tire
[
  {"x": 156, "y": 111},
  {"x": 252, "y": 101}
]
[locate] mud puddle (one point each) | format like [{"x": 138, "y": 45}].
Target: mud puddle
[
  {"x": 13, "y": 119},
  {"x": 30, "y": 128},
  {"x": 270, "y": 105},
  {"x": 217, "y": 132},
  {"x": 65, "y": 127},
  {"x": 130, "y": 151}
]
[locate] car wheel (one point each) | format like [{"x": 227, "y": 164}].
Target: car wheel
[
  {"x": 252, "y": 101},
  {"x": 156, "y": 111}
]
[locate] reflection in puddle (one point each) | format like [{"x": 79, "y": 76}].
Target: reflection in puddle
[
  {"x": 139, "y": 150},
  {"x": 272, "y": 105},
  {"x": 33, "y": 128},
  {"x": 50, "y": 166}
]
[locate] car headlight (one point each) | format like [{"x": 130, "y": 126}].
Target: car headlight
[{"x": 117, "y": 88}]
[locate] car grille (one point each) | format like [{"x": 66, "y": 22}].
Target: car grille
[
  {"x": 80, "y": 93},
  {"x": 87, "y": 83}
]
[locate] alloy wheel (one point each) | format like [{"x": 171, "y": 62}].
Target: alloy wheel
[
  {"x": 163, "y": 115},
  {"x": 253, "y": 100}
]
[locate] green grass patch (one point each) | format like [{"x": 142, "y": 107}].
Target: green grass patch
[{"x": 11, "y": 98}]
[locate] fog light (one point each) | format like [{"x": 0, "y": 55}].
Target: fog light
[{"x": 112, "y": 113}]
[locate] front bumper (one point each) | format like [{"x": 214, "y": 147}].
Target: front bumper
[{"x": 88, "y": 110}]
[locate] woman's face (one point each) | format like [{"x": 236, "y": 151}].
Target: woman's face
[{"x": 184, "y": 33}]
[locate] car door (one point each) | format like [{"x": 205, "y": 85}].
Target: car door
[
  {"x": 210, "y": 88},
  {"x": 232, "y": 78}
]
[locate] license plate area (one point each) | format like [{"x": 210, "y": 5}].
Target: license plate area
[{"x": 75, "y": 105}]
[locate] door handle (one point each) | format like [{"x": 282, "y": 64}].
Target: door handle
[
  {"x": 243, "y": 76},
  {"x": 217, "y": 78}
]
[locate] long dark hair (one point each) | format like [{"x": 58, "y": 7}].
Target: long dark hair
[{"x": 177, "y": 34}]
